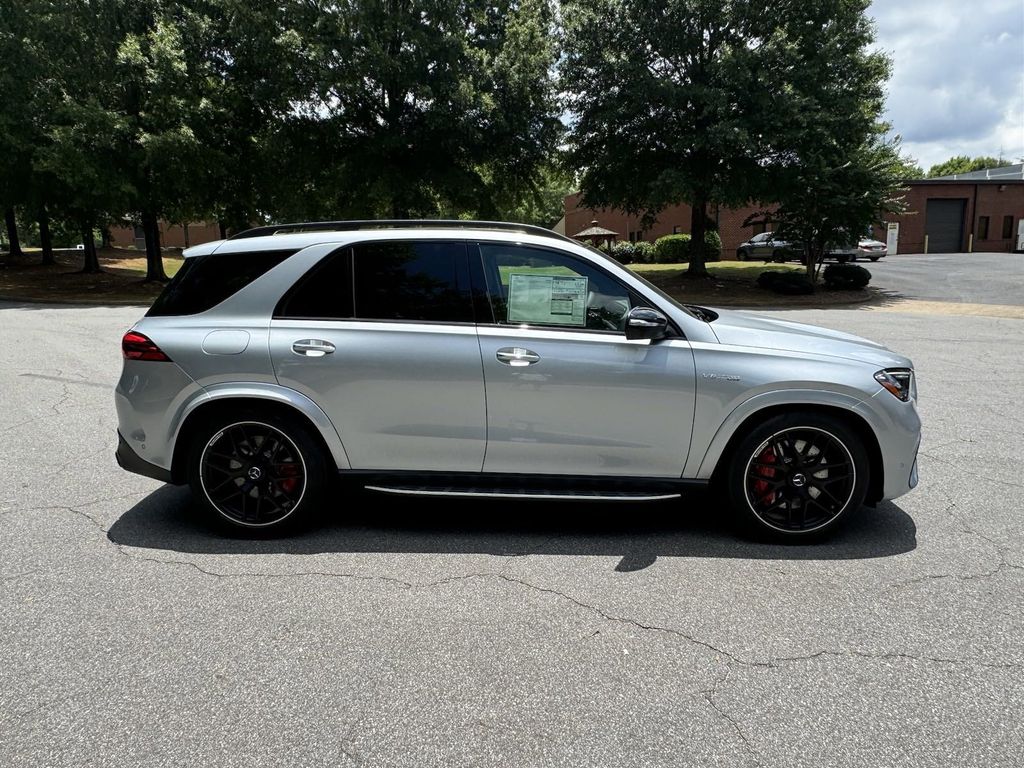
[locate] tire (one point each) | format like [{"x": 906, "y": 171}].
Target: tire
[
  {"x": 794, "y": 502},
  {"x": 875, "y": 258},
  {"x": 248, "y": 489},
  {"x": 741, "y": 255},
  {"x": 779, "y": 257},
  {"x": 842, "y": 259}
]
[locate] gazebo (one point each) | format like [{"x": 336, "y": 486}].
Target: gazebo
[{"x": 597, "y": 235}]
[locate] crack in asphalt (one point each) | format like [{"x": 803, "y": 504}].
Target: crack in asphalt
[{"x": 709, "y": 695}]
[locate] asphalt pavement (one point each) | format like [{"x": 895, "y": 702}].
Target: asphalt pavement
[
  {"x": 507, "y": 634},
  {"x": 970, "y": 278}
]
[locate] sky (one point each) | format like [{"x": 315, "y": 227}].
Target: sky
[{"x": 957, "y": 84}]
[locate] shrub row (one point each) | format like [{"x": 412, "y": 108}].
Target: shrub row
[
  {"x": 840, "y": 277},
  {"x": 670, "y": 249}
]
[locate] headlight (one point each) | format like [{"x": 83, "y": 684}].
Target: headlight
[{"x": 899, "y": 382}]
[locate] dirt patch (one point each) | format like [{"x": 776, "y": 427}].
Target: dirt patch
[
  {"x": 741, "y": 292},
  {"x": 122, "y": 280}
]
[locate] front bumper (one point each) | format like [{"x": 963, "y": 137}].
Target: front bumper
[{"x": 131, "y": 461}]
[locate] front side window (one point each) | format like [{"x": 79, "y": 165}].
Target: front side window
[
  {"x": 538, "y": 287},
  {"x": 412, "y": 281}
]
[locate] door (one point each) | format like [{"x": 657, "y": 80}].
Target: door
[
  {"x": 761, "y": 245},
  {"x": 567, "y": 394},
  {"x": 381, "y": 336},
  {"x": 944, "y": 225}
]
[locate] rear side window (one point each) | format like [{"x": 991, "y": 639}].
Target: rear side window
[
  {"x": 426, "y": 281},
  {"x": 323, "y": 293},
  {"x": 204, "y": 282}
]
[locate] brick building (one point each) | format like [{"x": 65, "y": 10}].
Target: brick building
[
  {"x": 986, "y": 204},
  {"x": 171, "y": 235}
]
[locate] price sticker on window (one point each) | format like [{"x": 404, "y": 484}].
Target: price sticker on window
[{"x": 547, "y": 299}]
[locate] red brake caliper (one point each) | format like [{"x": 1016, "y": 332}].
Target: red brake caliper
[
  {"x": 761, "y": 487},
  {"x": 287, "y": 471}
]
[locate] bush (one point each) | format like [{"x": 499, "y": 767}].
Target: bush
[
  {"x": 846, "y": 277},
  {"x": 675, "y": 249},
  {"x": 672, "y": 249},
  {"x": 639, "y": 252},
  {"x": 788, "y": 283}
]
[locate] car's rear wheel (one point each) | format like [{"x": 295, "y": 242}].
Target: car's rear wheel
[
  {"x": 257, "y": 472},
  {"x": 741, "y": 255},
  {"x": 796, "y": 476},
  {"x": 875, "y": 258},
  {"x": 779, "y": 257}
]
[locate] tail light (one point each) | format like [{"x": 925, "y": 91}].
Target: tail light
[{"x": 136, "y": 346}]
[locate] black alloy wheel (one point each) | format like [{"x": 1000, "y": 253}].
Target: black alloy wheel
[
  {"x": 257, "y": 472},
  {"x": 795, "y": 476}
]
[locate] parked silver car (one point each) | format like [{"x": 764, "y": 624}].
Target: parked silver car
[
  {"x": 494, "y": 360},
  {"x": 866, "y": 248},
  {"x": 765, "y": 247}
]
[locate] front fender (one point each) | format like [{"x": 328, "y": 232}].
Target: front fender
[
  {"x": 274, "y": 393},
  {"x": 702, "y": 463}
]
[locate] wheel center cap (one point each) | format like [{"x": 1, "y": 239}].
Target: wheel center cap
[
  {"x": 255, "y": 473},
  {"x": 798, "y": 480}
]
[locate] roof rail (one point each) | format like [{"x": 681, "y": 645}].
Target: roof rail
[{"x": 346, "y": 226}]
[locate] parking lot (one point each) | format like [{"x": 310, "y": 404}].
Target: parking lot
[{"x": 512, "y": 634}]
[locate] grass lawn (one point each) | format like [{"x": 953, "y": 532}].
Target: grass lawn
[{"x": 745, "y": 270}]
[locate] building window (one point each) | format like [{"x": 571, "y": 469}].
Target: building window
[
  {"x": 1007, "y": 227},
  {"x": 676, "y": 229},
  {"x": 983, "y": 227}
]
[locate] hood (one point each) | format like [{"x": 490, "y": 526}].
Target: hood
[{"x": 744, "y": 329}]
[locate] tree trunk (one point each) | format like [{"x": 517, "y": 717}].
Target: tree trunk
[
  {"x": 223, "y": 229},
  {"x": 154, "y": 259},
  {"x": 44, "y": 235},
  {"x": 698, "y": 228},
  {"x": 12, "y": 232},
  {"x": 92, "y": 260}
]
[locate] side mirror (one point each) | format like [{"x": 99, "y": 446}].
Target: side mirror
[{"x": 645, "y": 323}]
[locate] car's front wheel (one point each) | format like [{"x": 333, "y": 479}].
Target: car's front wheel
[
  {"x": 257, "y": 472},
  {"x": 875, "y": 258},
  {"x": 741, "y": 255},
  {"x": 796, "y": 476}
]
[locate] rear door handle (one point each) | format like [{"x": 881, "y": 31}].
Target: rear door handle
[
  {"x": 312, "y": 347},
  {"x": 517, "y": 357}
]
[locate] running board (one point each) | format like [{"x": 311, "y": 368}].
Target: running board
[{"x": 522, "y": 493}]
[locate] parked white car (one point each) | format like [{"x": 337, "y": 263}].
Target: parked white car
[{"x": 866, "y": 248}]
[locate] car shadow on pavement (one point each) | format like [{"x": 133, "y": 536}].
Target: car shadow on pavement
[{"x": 638, "y": 534}]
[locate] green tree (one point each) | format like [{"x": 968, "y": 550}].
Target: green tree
[
  {"x": 832, "y": 171},
  {"x": 670, "y": 103},
  {"x": 964, "y": 164},
  {"x": 422, "y": 106}
]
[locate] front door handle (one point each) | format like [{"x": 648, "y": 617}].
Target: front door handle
[
  {"x": 517, "y": 357},
  {"x": 312, "y": 347}
]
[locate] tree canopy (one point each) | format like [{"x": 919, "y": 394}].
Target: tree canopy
[
  {"x": 254, "y": 111},
  {"x": 730, "y": 101},
  {"x": 964, "y": 164}
]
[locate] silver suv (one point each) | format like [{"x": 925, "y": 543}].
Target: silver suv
[{"x": 494, "y": 360}]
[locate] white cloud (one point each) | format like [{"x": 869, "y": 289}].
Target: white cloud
[{"x": 957, "y": 86}]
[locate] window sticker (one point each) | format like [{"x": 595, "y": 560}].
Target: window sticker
[{"x": 547, "y": 299}]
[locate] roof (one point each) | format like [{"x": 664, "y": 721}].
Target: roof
[
  {"x": 595, "y": 231},
  {"x": 1005, "y": 173},
  {"x": 302, "y": 235}
]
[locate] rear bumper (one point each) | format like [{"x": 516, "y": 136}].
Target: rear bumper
[{"x": 129, "y": 460}]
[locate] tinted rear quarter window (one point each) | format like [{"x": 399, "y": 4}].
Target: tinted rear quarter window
[{"x": 203, "y": 282}]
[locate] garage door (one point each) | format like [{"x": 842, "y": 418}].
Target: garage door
[{"x": 944, "y": 224}]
